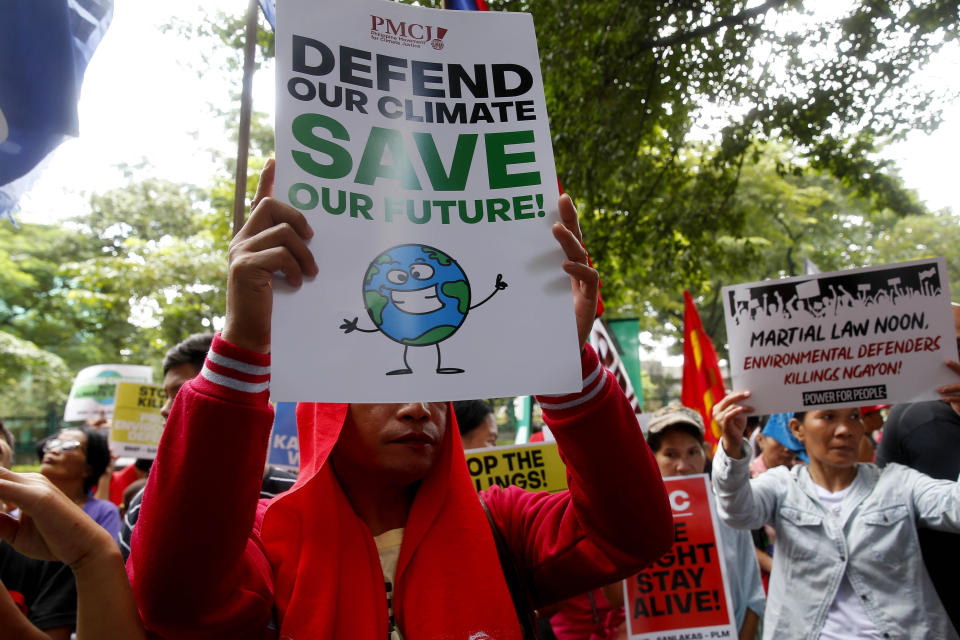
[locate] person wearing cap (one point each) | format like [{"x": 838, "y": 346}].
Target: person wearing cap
[
  {"x": 847, "y": 562},
  {"x": 778, "y": 446},
  {"x": 675, "y": 435}
]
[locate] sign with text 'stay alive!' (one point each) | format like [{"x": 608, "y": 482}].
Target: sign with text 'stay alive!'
[
  {"x": 877, "y": 335},
  {"x": 684, "y": 594},
  {"x": 415, "y": 141}
]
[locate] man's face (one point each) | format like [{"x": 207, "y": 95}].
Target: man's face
[
  {"x": 483, "y": 435},
  {"x": 173, "y": 380},
  {"x": 775, "y": 454},
  {"x": 398, "y": 442}
]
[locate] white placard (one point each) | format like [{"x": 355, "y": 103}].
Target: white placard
[
  {"x": 416, "y": 143},
  {"x": 878, "y": 335},
  {"x": 94, "y": 389}
]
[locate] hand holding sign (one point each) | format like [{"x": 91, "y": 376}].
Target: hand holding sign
[
  {"x": 731, "y": 416},
  {"x": 584, "y": 279},
  {"x": 273, "y": 239}
]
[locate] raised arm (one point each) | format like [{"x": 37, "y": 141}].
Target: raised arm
[
  {"x": 741, "y": 503},
  {"x": 614, "y": 519},
  {"x": 197, "y": 569},
  {"x": 52, "y": 527}
]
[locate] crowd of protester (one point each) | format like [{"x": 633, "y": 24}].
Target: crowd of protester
[{"x": 381, "y": 533}]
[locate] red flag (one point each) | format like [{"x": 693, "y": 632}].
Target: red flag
[{"x": 702, "y": 382}]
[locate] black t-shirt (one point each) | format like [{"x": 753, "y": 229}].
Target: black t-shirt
[
  {"x": 926, "y": 436},
  {"x": 44, "y": 591}
]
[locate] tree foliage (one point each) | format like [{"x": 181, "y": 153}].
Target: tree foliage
[
  {"x": 667, "y": 202},
  {"x": 628, "y": 83},
  {"x": 145, "y": 268},
  {"x": 785, "y": 219},
  {"x": 31, "y": 379}
]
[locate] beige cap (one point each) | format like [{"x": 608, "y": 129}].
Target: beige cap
[{"x": 672, "y": 414}]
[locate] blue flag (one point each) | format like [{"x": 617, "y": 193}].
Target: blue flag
[
  {"x": 269, "y": 8},
  {"x": 45, "y": 46}
]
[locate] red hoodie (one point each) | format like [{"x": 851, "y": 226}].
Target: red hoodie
[{"x": 210, "y": 561}]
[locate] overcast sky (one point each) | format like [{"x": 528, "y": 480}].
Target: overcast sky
[{"x": 141, "y": 100}]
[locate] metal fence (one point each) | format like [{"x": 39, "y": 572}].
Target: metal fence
[{"x": 28, "y": 430}]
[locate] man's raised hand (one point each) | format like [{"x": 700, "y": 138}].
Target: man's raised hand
[
  {"x": 584, "y": 279},
  {"x": 273, "y": 239}
]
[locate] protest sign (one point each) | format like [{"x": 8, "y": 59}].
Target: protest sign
[
  {"x": 878, "y": 335},
  {"x": 284, "y": 441},
  {"x": 684, "y": 594},
  {"x": 137, "y": 423},
  {"x": 95, "y": 388},
  {"x": 416, "y": 143},
  {"x": 534, "y": 467}
]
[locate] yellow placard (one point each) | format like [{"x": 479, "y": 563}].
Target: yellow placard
[
  {"x": 137, "y": 423},
  {"x": 534, "y": 467}
]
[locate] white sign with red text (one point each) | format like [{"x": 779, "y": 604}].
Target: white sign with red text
[{"x": 878, "y": 335}]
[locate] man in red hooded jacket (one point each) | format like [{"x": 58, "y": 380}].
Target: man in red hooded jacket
[{"x": 382, "y": 536}]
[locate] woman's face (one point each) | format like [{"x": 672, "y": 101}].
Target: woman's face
[
  {"x": 831, "y": 436},
  {"x": 59, "y": 463},
  {"x": 680, "y": 454}
]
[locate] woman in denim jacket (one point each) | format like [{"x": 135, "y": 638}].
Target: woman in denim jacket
[{"x": 848, "y": 563}]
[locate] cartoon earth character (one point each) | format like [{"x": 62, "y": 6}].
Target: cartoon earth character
[{"x": 418, "y": 296}]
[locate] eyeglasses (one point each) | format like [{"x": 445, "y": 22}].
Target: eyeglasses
[{"x": 64, "y": 446}]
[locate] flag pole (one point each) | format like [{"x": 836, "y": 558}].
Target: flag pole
[{"x": 246, "y": 107}]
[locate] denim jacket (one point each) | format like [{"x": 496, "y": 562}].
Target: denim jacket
[{"x": 876, "y": 546}]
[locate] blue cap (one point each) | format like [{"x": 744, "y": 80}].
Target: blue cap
[{"x": 778, "y": 428}]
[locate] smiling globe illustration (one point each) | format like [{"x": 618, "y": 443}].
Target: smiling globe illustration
[{"x": 416, "y": 295}]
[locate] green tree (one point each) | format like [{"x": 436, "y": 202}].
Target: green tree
[
  {"x": 145, "y": 268},
  {"x": 161, "y": 267},
  {"x": 916, "y": 237},
  {"x": 627, "y": 82},
  {"x": 31, "y": 379},
  {"x": 39, "y": 302},
  {"x": 783, "y": 218}
]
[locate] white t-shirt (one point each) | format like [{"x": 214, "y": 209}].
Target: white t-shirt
[
  {"x": 846, "y": 618},
  {"x": 388, "y": 548}
]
